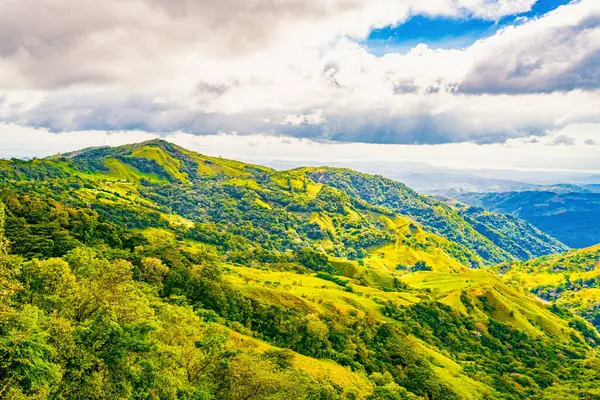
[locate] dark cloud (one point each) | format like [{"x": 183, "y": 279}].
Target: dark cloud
[
  {"x": 214, "y": 89},
  {"x": 405, "y": 87}
]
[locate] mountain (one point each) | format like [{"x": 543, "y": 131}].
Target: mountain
[
  {"x": 571, "y": 214},
  {"x": 419, "y": 176},
  {"x": 149, "y": 271},
  {"x": 480, "y": 241},
  {"x": 492, "y": 237},
  {"x": 442, "y": 181}
]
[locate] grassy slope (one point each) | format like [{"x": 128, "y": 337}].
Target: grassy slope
[
  {"x": 396, "y": 255},
  {"x": 406, "y": 249},
  {"x": 508, "y": 304},
  {"x": 318, "y": 369},
  {"x": 492, "y": 238},
  {"x": 571, "y": 279},
  {"x": 317, "y": 296}
]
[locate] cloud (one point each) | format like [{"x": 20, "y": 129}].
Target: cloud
[
  {"x": 560, "y": 51},
  {"x": 17, "y": 141},
  {"x": 386, "y": 118},
  {"x": 315, "y": 117},
  {"x": 56, "y": 43},
  {"x": 294, "y": 68},
  {"x": 590, "y": 142},
  {"x": 563, "y": 140}
]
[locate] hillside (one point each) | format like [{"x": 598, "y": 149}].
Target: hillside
[
  {"x": 149, "y": 271},
  {"x": 571, "y": 280},
  {"x": 493, "y": 237},
  {"x": 569, "y": 213}
]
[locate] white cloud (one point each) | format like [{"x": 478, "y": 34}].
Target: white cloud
[
  {"x": 315, "y": 117},
  {"x": 126, "y": 42},
  {"x": 560, "y": 51},
  {"x": 294, "y": 68}
]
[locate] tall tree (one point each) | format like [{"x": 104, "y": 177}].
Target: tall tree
[{"x": 3, "y": 241}]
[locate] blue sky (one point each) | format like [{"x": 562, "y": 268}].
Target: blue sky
[{"x": 446, "y": 33}]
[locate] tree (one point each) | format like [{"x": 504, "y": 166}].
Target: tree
[
  {"x": 255, "y": 378},
  {"x": 49, "y": 284},
  {"x": 3, "y": 241},
  {"x": 314, "y": 260},
  {"x": 421, "y": 266},
  {"x": 153, "y": 271},
  {"x": 25, "y": 355}
]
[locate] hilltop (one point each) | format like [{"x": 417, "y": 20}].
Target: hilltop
[{"x": 150, "y": 271}]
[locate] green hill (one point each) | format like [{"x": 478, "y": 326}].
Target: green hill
[
  {"x": 570, "y": 280},
  {"x": 492, "y": 237},
  {"x": 149, "y": 271}
]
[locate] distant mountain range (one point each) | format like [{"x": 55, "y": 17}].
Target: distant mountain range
[{"x": 568, "y": 213}]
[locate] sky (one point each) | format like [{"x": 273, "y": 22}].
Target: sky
[{"x": 457, "y": 83}]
